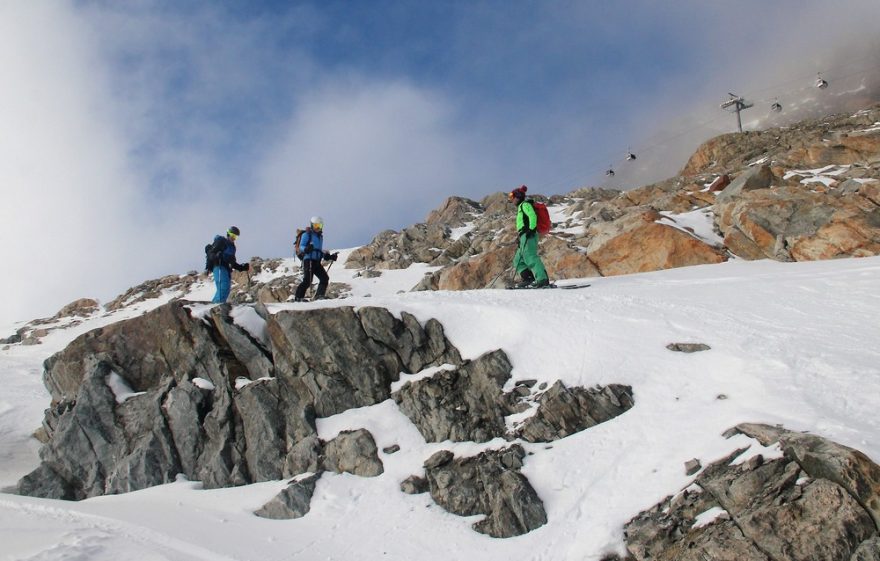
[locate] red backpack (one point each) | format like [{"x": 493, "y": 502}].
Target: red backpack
[{"x": 544, "y": 223}]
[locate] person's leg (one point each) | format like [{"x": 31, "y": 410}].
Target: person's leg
[
  {"x": 519, "y": 263},
  {"x": 306, "y": 282},
  {"x": 533, "y": 261},
  {"x": 323, "y": 279},
  {"x": 223, "y": 284}
]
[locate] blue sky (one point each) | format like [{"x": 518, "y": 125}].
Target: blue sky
[{"x": 155, "y": 124}]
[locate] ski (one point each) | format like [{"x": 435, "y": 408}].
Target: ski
[
  {"x": 572, "y": 286},
  {"x": 551, "y": 285}
]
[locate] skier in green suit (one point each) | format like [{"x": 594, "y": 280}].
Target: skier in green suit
[{"x": 526, "y": 260}]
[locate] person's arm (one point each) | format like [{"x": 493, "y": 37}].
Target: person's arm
[{"x": 531, "y": 222}]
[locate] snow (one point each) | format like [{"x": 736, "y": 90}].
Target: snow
[
  {"x": 456, "y": 233},
  {"x": 791, "y": 344},
  {"x": 708, "y": 517},
  {"x": 120, "y": 388},
  {"x": 697, "y": 223}
]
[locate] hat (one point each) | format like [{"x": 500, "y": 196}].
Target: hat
[
  {"x": 234, "y": 231},
  {"x": 519, "y": 193}
]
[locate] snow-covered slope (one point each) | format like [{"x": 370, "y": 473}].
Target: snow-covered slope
[{"x": 791, "y": 343}]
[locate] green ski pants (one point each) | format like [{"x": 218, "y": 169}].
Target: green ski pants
[{"x": 526, "y": 257}]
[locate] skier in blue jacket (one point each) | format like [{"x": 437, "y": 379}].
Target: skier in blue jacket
[
  {"x": 311, "y": 251},
  {"x": 223, "y": 254}
]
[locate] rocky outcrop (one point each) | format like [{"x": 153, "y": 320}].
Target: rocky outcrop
[
  {"x": 346, "y": 359},
  {"x": 798, "y": 224},
  {"x": 140, "y": 401},
  {"x": 565, "y": 411},
  {"x": 813, "y": 503},
  {"x": 469, "y": 404},
  {"x": 489, "y": 484},
  {"x": 465, "y": 404}
]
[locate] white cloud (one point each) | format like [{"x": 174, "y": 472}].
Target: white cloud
[
  {"x": 62, "y": 164},
  {"x": 366, "y": 156}
]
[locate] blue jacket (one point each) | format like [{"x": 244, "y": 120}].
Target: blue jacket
[
  {"x": 317, "y": 241},
  {"x": 226, "y": 250}
]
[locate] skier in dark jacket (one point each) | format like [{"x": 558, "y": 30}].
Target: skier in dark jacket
[
  {"x": 223, "y": 250},
  {"x": 311, "y": 251},
  {"x": 526, "y": 260}
]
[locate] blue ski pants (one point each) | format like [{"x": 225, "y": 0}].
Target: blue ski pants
[{"x": 223, "y": 282}]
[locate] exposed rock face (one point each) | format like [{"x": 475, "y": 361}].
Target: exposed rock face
[
  {"x": 469, "y": 404},
  {"x": 463, "y": 404},
  {"x": 795, "y": 223},
  {"x": 791, "y": 508},
  {"x": 489, "y": 484},
  {"x": 563, "y": 411},
  {"x": 348, "y": 360},
  {"x": 205, "y": 404},
  {"x": 652, "y": 247}
]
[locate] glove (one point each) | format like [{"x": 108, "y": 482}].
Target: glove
[
  {"x": 530, "y": 233},
  {"x": 309, "y": 248},
  {"x": 246, "y": 267},
  {"x": 334, "y": 256}
]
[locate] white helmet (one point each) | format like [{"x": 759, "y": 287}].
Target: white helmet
[{"x": 317, "y": 222}]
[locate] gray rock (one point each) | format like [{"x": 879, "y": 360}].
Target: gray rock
[
  {"x": 185, "y": 405},
  {"x": 869, "y": 550},
  {"x": 460, "y": 405},
  {"x": 822, "y": 458},
  {"x": 489, "y": 484},
  {"x": 292, "y": 502},
  {"x": 151, "y": 457},
  {"x": 84, "y": 446},
  {"x": 248, "y": 351},
  {"x": 771, "y": 511},
  {"x": 564, "y": 411},
  {"x": 353, "y": 452},
  {"x": 262, "y": 417},
  {"x": 692, "y": 466},
  {"x": 438, "y": 459},
  {"x": 304, "y": 456},
  {"x": 414, "y": 485},
  {"x": 688, "y": 347},
  {"x": 330, "y": 351},
  {"x": 394, "y": 448},
  {"x": 758, "y": 177},
  {"x": 417, "y": 347}
]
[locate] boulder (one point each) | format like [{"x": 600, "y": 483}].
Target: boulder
[
  {"x": 490, "y": 484},
  {"x": 293, "y": 502},
  {"x": 353, "y": 452}
]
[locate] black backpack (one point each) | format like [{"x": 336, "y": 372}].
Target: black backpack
[{"x": 212, "y": 256}]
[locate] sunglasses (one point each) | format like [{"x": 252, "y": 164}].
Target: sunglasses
[{"x": 231, "y": 235}]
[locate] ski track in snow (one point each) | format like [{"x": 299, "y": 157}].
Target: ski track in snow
[{"x": 790, "y": 343}]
